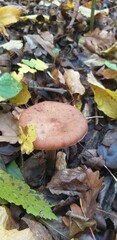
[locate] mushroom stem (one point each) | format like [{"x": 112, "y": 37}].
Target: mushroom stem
[{"x": 51, "y": 162}]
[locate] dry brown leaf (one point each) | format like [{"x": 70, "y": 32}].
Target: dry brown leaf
[
  {"x": 97, "y": 41},
  {"x": 81, "y": 217},
  {"x": 89, "y": 197},
  {"x": 45, "y": 43},
  {"x": 72, "y": 80},
  {"x": 8, "y": 128},
  {"x": 58, "y": 78},
  {"x": 68, "y": 181},
  {"x": 76, "y": 221},
  {"x": 107, "y": 73},
  {"x": 38, "y": 230}
]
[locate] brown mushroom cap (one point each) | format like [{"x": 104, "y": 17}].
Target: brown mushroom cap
[{"x": 58, "y": 125}]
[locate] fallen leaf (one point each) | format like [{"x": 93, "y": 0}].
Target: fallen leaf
[
  {"x": 87, "y": 12},
  {"x": 72, "y": 80},
  {"x": 58, "y": 77},
  {"x": 22, "y": 97},
  {"x": 89, "y": 197},
  {"x": 9, "y": 86},
  {"x": 12, "y": 233},
  {"x": 77, "y": 222},
  {"x": 8, "y": 128},
  {"x": 46, "y": 43},
  {"x": 98, "y": 40},
  {"x": 111, "y": 65},
  {"x": 107, "y": 73},
  {"x": 81, "y": 217},
  {"x": 25, "y": 69},
  {"x": 68, "y": 181},
  {"x": 18, "y": 44},
  {"x": 36, "y": 63},
  {"x": 111, "y": 52},
  {"x": 39, "y": 231},
  {"x": 106, "y": 99},
  {"x": 26, "y": 138},
  {"x": 9, "y": 15}
]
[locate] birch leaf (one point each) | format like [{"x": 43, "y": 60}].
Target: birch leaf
[
  {"x": 26, "y": 138},
  {"x": 105, "y": 98},
  {"x": 9, "y": 15}
]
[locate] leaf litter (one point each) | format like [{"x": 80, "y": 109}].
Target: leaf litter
[{"x": 49, "y": 52}]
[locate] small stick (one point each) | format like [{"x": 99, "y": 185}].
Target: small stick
[{"x": 33, "y": 85}]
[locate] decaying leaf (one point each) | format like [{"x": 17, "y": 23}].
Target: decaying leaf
[
  {"x": 58, "y": 78},
  {"x": 38, "y": 230},
  {"x": 82, "y": 217},
  {"x": 44, "y": 41},
  {"x": 68, "y": 181},
  {"x": 107, "y": 73},
  {"x": 97, "y": 40},
  {"x": 26, "y": 138},
  {"x": 72, "y": 80},
  {"x": 106, "y": 99},
  {"x": 77, "y": 222},
  {"x": 8, "y": 128}
]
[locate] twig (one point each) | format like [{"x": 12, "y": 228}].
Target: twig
[{"x": 34, "y": 86}]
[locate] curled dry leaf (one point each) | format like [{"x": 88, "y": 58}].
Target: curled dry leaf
[
  {"x": 8, "y": 128},
  {"x": 58, "y": 78},
  {"x": 94, "y": 182},
  {"x": 72, "y": 80},
  {"x": 68, "y": 181},
  {"x": 97, "y": 41},
  {"x": 82, "y": 217},
  {"x": 77, "y": 222}
]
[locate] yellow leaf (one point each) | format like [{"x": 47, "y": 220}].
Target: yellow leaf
[
  {"x": 25, "y": 69},
  {"x": 22, "y": 97},
  {"x": 106, "y": 99},
  {"x": 17, "y": 76},
  {"x": 112, "y": 51},
  {"x": 26, "y": 138},
  {"x": 69, "y": 5},
  {"x": 9, "y": 15}
]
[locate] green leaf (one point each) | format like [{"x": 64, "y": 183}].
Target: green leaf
[
  {"x": 18, "y": 44},
  {"x": 13, "y": 169},
  {"x": 110, "y": 65},
  {"x": 19, "y": 193},
  {"x": 36, "y": 63},
  {"x": 9, "y": 86}
]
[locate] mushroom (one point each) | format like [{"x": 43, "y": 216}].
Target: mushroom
[{"x": 58, "y": 125}]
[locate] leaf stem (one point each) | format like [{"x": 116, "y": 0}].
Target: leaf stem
[{"x": 92, "y": 15}]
